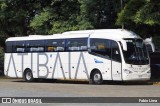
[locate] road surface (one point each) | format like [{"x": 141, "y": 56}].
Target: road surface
[{"x": 19, "y": 88}]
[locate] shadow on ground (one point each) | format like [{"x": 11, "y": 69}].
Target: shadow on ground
[{"x": 151, "y": 82}]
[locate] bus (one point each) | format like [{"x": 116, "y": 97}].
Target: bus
[{"x": 92, "y": 55}]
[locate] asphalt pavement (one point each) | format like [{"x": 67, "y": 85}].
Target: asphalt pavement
[{"x": 49, "y": 88}]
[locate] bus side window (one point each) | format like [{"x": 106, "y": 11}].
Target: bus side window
[
  {"x": 55, "y": 45},
  {"x": 50, "y": 48},
  {"x": 77, "y": 44},
  {"x": 19, "y": 46},
  {"x": 100, "y": 47},
  {"x": 20, "y": 49},
  {"x": 8, "y": 47},
  {"x": 115, "y": 51},
  {"x": 35, "y": 46}
]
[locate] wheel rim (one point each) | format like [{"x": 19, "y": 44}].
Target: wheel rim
[
  {"x": 97, "y": 77},
  {"x": 29, "y": 76}
]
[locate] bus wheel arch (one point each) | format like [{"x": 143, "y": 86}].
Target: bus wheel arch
[
  {"x": 28, "y": 75},
  {"x": 96, "y": 77}
]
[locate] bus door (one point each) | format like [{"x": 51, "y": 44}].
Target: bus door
[{"x": 116, "y": 63}]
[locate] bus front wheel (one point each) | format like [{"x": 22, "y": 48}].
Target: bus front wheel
[
  {"x": 96, "y": 78},
  {"x": 28, "y": 76}
]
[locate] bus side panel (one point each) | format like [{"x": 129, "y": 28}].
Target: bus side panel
[
  {"x": 34, "y": 66},
  {"x": 87, "y": 64},
  {"x": 52, "y": 65},
  {"x": 45, "y": 65},
  {"x": 13, "y": 65},
  {"x": 63, "y": 65},
  {"x": 102, "y": 64},
  {"x": 8, "y": 66},
  {"x": 75, "y": 68},
  {"x": 42, "y": 65},
  {"x": 27, "y": 62}
]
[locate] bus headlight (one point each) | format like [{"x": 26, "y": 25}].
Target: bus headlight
[{"x": 127, "y": 71}]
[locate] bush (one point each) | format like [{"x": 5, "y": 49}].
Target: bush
[{"x": 1, "y": 61}]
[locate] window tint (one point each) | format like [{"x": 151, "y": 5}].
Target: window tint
[
  {"x": 8, "y": 47},
  {"x": 101, "y": 47},
  {"x": 35, "y": 46},
  {"x": 55, "y": 45},
  {"x": 115, "y": 51},
  {"x": 77, "y": 44},
  {"x": 17, "y": 46}
]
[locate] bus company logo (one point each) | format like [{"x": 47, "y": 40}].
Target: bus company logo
[
  {"x": 6, "y": 100},
  {"x": 97, "y": 61}
]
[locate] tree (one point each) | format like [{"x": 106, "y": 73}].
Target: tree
[
  {"x": 60, "y": 16},
  {"x": 142, "y": 16},
  {"x": 15, "y": 16},
  {"x": 101, "y": 13}
]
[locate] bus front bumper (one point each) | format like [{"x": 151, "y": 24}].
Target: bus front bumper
[{"x": 137, "y": 77}]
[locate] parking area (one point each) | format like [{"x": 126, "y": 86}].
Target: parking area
[{"x": 48, "y": 88}]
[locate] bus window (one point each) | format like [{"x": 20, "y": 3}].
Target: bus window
[
  {"x": 35, "y": 46},
  {"x": 100, "y": 47},
  {"x": 55, "y": 45},
  {"x": 50, "y": 49},
  {"x": 9, "y": 47},
  {"x": 18, "y": 47},
  {"x": 78, "y": 44},
  {"x": 115, "y": 51}
]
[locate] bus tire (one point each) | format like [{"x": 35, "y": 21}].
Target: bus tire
[
  {"x": 28, "y": 76},
  {"x": 96, "y": 78}
]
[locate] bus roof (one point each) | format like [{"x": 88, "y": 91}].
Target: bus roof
[{"x": 101, "y": 33}]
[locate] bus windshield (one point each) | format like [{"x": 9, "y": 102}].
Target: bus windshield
[{"x": 136, "y": 52}]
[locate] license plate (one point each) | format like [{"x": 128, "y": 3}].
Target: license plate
[{"x": 140, "y": 75}]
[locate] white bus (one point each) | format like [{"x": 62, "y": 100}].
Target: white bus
[{"x": 93, "y": 55}]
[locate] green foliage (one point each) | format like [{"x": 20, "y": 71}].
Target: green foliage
[
  {"x": 62, "y": 26},
  {"x": 149, "y": 14},
  {"x": 1, "y": 58},
  {"x": 129, "y": 11},
  {"x": 60, "y": 16},
  {"x": 15, "y": 16},
  {"x": 1, "y": 53},
  {"x": 141, "y": 16},
  {"x": 40, "y": 22},
  {"x": 24, "y": 17},
  {"x": 41, "y": 19},
  {"x": 101, "y": 13}
]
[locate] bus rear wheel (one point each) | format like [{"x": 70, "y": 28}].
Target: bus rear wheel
[
  {"x": 28, "y": 76},
  {"x": 96, "y": 78}
]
